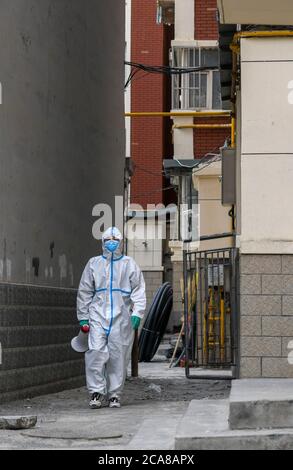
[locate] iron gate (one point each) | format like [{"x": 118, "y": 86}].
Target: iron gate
[{"x": 210, "y": 309}]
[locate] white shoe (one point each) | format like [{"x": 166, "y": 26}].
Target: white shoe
[
  {"x": 114, "y": 402},
  {"x": 96, "y": 401}
]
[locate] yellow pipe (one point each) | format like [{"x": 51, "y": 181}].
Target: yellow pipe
[
  {"x": 276, "y": 33},
  {"x": 233, "y": 132},
  {"x": 222, "y": 328},
  {"x": 257, "y": 34},
  {"x": 202, "y": 126},
  {"x": 205, "y": 349},
  {"x": 178, "y": 114}
]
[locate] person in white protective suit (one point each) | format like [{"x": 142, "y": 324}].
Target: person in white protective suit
[{"x": 110, "y": 305}]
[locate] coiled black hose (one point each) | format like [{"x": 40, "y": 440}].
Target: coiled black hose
[{"x": 156, "y": 323}]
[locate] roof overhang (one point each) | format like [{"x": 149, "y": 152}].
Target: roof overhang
[
  {"x": 262, "y": 12},
  {"x": 178, "y": 167},
  {"x": 192, "y": 166},
  {"x": 212, "y": 170}
]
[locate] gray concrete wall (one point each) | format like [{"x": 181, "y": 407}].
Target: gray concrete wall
[
  {"x": 61, "y": 153},
  {"x": 266, "y": 315},
  {"x": 61, "y": 132}
]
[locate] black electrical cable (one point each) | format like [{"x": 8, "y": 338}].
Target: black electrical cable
[
  {"x": 163, "y": 69},
  {"x": 156, "y": 323},
  {"x": 170, "y": 70},
  {"x": 146, "y": 334}
]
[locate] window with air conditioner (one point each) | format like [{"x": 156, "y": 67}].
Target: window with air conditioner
[{"x": 196, "y": 90}]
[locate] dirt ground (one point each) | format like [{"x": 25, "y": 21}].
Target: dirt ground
[
  {"x": 136, "y": 390},
  {"x": 152, "y": 408},
  {"x": 174, "y": 389}
]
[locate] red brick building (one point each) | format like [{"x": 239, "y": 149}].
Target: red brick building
[
  {"x": 151, "y": 140},
  {"x": 150, "y": 137},
  {"x": 182, "y": 34}
]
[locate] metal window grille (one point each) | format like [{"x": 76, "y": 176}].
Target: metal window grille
[
  {"x": 188, "y": 198},
  {"x": 165, "y": 12},
  {"x": 195, "y": 90},
  {"x": 210, "y": 309}
]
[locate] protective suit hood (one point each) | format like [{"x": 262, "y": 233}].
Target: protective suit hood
[{"x": 112, "y": 232}]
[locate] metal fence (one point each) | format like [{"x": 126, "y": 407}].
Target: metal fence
[{"x": 210, "y": 309}]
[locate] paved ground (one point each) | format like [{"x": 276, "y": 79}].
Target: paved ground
[{"x": 153, "y": 404}]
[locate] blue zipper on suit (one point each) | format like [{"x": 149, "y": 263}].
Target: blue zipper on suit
[{"x": 111, "y": 295}]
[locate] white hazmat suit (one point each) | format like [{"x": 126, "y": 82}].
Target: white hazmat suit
[{"x": 111, "y": 290}]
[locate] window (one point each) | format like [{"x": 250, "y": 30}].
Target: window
[
  {"x": 166, "y": 12},
  {"x": 189, "y": 216},
  {"x": 196, "y": 90}
]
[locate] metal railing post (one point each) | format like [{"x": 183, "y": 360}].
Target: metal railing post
[
  {"x": 186, "y": 332},
  {"x": 134, "y": 356}
]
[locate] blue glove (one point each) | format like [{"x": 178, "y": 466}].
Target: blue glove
[{"x": 135, "y": 322}]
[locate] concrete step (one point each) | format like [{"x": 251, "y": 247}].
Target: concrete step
[
  {"x": 205, "y": 426},
  {"x": 155, "y": 433},
  {"x": 261, "y": 403}
]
